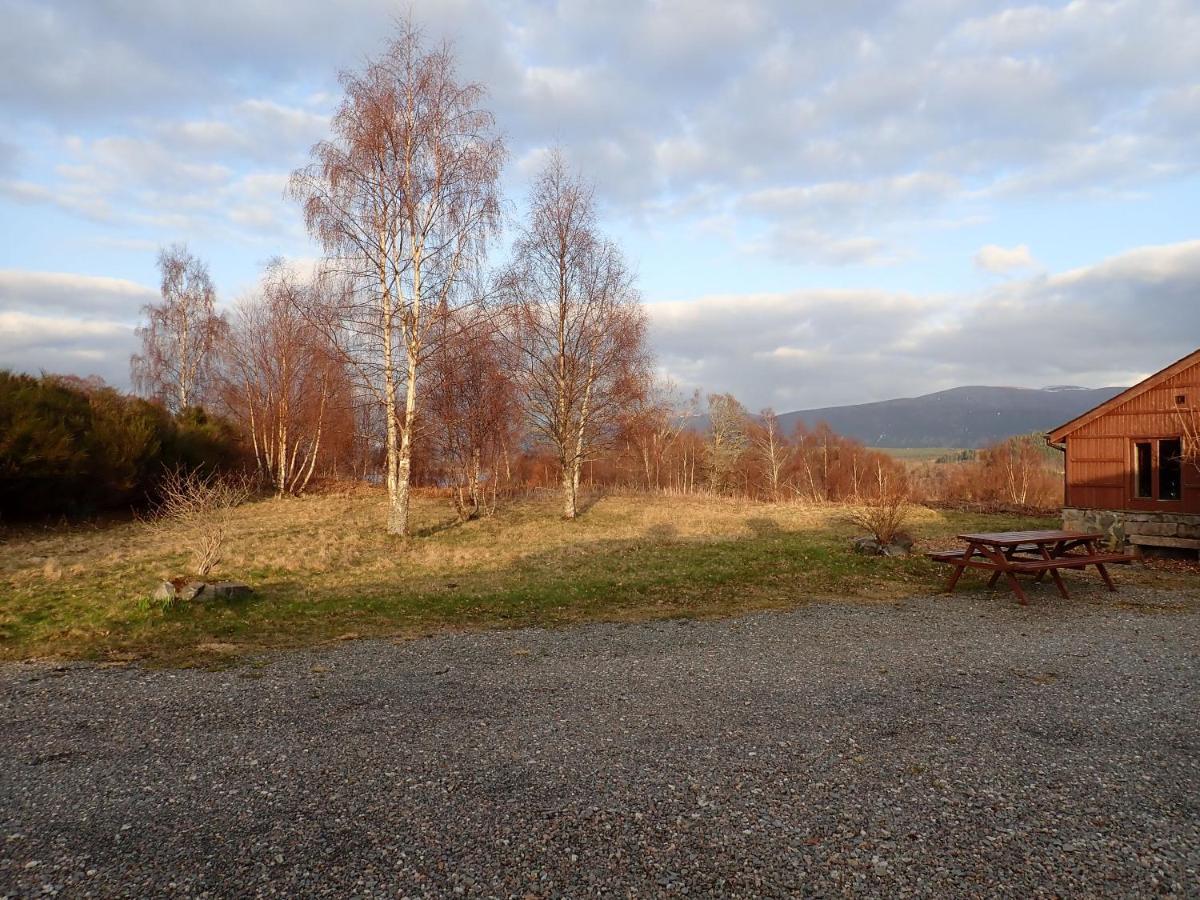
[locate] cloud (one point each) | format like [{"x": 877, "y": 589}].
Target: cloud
[
  {"x": 1125, "y": 316},
  {"x": 66, "y": 345},
  {"x": 82, "y": 296},
  {"x": 1001, "y": 260},
  {"x": 10, "y": 153},
  {"x": 867, "y": 111},
  {"x": 67, "y": 323}
]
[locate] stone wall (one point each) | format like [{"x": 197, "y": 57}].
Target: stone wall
[{"x": 1122, "y": 526}]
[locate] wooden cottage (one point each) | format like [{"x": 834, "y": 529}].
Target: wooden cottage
[{"x": 1131, "y": 465}]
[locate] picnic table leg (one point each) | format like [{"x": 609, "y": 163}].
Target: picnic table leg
[
  {"x": 1001, "y": 562},
  {"x": 1062, "y": 588},
  {"x": 1091, "y": 546},
  {"x": 959, "y": 569},
  {"x": 1008, "y": 554},
  {"x": 1016, "y": 587}
]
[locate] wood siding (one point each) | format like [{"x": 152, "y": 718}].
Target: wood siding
[{"x": 1099, "y": 462}]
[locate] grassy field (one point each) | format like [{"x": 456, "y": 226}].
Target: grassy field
[
  {"x": 918, "y": 454},
  {"x": 322, "y": 571}
]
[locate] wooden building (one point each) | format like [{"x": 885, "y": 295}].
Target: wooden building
[{"x": 1131, "y": 469}]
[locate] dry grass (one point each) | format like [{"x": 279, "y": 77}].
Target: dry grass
[{"x": 323, "y": 569}]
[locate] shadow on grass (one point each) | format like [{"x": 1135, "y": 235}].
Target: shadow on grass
[
  {"x": 760, "y": 526},
  {"x": 438, "y": 527},
  {"x": 604, "y": 579}
]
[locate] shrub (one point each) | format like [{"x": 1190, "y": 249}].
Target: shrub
[
  {"x": 199, "y": 509},
  {"x": 75, "y": 446},
  {"x": 883, "y": 517}
]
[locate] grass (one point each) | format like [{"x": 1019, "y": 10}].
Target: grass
[
  {"x": 918, "y": 454},
  {"x": 323, "y": 570}
]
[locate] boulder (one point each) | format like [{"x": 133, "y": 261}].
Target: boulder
[
  {"x": 191, "y": 590},
  {"x": 901, "y": 545},
  {"x": 199, "y": 590},
  {"x": 226, "y": 590}
]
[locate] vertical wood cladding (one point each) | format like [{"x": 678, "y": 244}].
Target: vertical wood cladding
[{"x": 1100, "y": 463}]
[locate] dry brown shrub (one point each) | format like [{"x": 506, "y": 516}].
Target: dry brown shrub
[
  {"x": 198, "y": 509},
  {"x": 884, "y": 516}
]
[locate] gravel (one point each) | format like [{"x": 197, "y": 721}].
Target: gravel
[{"x": 963, "y": 746}]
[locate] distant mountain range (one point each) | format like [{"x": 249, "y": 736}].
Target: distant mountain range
[{"x": 960, "y": 417}]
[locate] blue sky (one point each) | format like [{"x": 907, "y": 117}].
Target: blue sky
[{"x": 825, "y": 203}]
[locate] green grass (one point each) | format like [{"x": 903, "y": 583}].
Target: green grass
[{"x": 322, "y": 570}]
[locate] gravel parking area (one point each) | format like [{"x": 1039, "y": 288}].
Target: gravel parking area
[{"x": 934, "y": 747}]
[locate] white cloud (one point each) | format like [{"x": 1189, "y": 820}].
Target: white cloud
[
  {"x": 81, "y": 296},
  {"x": 881, "y": 111},
  {"x": 66, "y": 345},
  {"x": 1001, "y": 260},
  {"x": 1125, "y": 315},
  {"x": 68, "y": 323}
]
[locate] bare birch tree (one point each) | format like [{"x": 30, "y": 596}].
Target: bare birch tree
[
  {"x": 576, "y": 323},
  {"x": 283, "y": 381},
  {"x": 181, "y": 335},
  {"x": 652, "y": 427},
  {"x": 772, "y": 449},
  {"x": 472, "y": 411},
  {"x": 1189, "y": 428},
  {"x": 728, "y": 439},
  {"x": 402, "y": 198}
]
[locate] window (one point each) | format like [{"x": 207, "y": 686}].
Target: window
[
  {"x": 1170, "y": 469},
  {"x": 1143, "y": 470},
  {"x": 1158, "y": 469}
]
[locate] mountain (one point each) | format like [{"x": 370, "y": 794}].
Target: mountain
[{"x": 959, "y": 417}]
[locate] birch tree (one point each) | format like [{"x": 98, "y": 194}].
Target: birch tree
[
  {"x": 283, "y": 381},
  {"x": 472, "y": 411},
  {"x": 772, "y": 449},
  {"x": 576, "y": 323},
  {"x": 1189, "y": 428},
  {"x": 181, "y": 335},
  {"x": 728, "y": 439},
  {"x": 403, "y": 198},
  {"x": 652, "y": 427}
]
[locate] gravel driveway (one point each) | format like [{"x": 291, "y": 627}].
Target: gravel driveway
[{"x": 962, "y": 746}]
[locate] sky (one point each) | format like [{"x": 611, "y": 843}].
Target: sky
[{"x": 825, "y": 203}]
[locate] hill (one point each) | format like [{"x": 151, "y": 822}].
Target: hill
[{"x": 959, "y": 417}]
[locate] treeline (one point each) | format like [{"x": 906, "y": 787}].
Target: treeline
[
  {"x": 1020, "y": 472},
  {"x": 409, "y": 357},
  {"x": 75, "y": 446}
]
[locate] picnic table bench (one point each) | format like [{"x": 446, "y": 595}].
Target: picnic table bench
[{"x": 1009, "y": 553}]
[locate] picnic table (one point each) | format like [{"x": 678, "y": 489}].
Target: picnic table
[{"x": 1011, "y": 553}]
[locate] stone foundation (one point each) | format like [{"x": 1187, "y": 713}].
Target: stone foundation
[{"x": 1124, "y": 527}]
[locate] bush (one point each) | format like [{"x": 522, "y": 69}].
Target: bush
[
  {"x": 198, "y": 509},
  {"x": 75, "y": 447},
  {"x": 883, "y": 517}
]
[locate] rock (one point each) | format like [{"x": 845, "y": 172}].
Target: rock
[
  {"x": 868, "y": 546},
  {"x": 199, "y": 590},
  {"x": 227, "y": 590},
  {"x": 191, "y": 590},
  {"x": 901, "y": 545}
]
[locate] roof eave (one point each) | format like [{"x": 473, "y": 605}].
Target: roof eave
[{"x": 1063, "y": 431}]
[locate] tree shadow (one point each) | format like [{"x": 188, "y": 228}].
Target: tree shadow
[
  {"x": 762, "y": 527},
  {"x": 587, "y": 501},
  {"x": 663, "y": 531},
  {"x": 438, "y": 527}
]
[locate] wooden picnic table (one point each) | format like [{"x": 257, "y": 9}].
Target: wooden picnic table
[{"x": 1010, "y": 553}]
